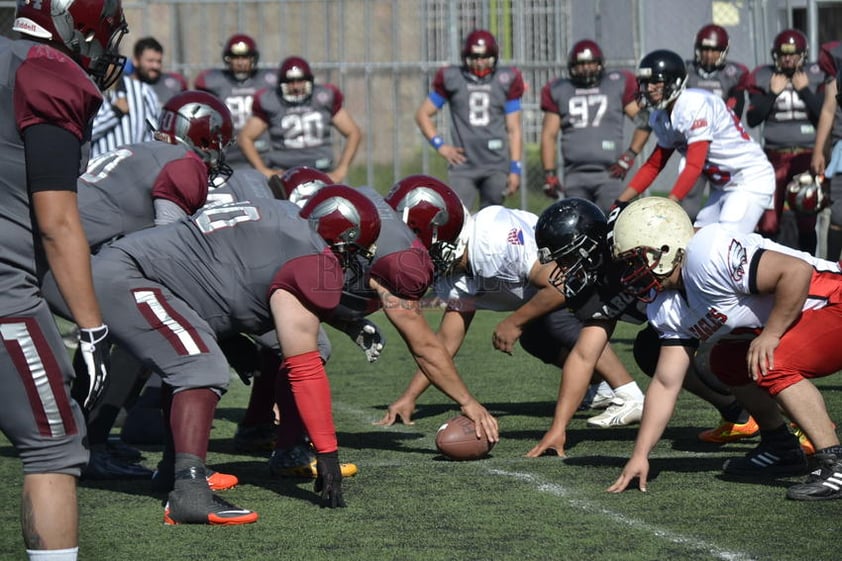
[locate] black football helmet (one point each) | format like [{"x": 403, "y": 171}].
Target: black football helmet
[
  {"x": 572, "y": 232},
  {"x": 662, "y": 66}
]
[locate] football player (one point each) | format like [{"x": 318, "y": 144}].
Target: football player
[
  {"x": 236, "y": 85},
  {"x": 786, "y": 98},
  {"x": 496, "y": 268},
  {"x": 299, "y": 116},
  {"x": 52, "y": 81},
  {"x": 702, "y": 128},
  {"x": 591, "y": 134},
  {"x": 762, "y": 305},
  {"x": 711, "y": 70},
  {"x": 486, "y": 149}
]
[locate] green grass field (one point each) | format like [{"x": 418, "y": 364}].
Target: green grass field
[{"x": 408, "y": 504}]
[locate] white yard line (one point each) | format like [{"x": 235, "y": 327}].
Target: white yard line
[{"x": 591, "y": 507}]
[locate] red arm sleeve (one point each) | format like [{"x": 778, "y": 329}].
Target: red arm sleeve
[
  {"x": 650, "y": 169},
  {"x": 406, "y": 274},
  {"x": 184, "y": 182},
  {"x": 697, "y": 153},
  {"x": 311, "y": 392},
  {"x": 316, "y": 280}
]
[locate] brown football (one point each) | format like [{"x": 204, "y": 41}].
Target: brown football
[{"x": 456, "y": 439}]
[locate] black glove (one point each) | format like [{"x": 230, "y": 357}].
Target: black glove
[
  {"x": 94, "y": 348},
  {"x": 621, "y": 167},
  {"x": 552, "y": 186},
  {"x": 329, "y": 480},
  {"x": 242, "y": 355}
]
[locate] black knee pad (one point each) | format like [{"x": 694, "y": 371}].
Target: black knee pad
[
  {"x": 552, "y": 336},
  {"x": 647, "y": 348}
]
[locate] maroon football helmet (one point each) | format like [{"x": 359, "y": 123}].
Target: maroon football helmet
[
  {"x": 806, "y": 194},
  {"x": 200, "y": 121},
  {"x": 789, "y": 42},
  {"x": 244, "y": 47},
  {"x": 295, "y": 79},
  {"x": 300, "y": 183},
  {"x": 435, "y": 213},
  {"x": 715, "y": 38},
  {"x": 479, "y": 53},
  {"x": 346, "y": 219},
  {"x": 580, "y": 63},
  {"x": 89, "y": 30}
]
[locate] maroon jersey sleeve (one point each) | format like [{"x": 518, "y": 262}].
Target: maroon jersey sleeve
[
  {"x": 200, "y": 82},
  {"x": 184, "y": 182},
  {"x": 438, "y": 84},
  {"x": 182, "y": 81},
  {"x": 631, "y": 89},
  {"x": 338, "y": 99},
  {"x": 548, "y": 104},
  {"x": 257, "y": 109},
  {"x": 518, "y": 87},
  {"x": 51, "y": 88},
  {"x": 406, "y": 274},
  {"x": 316, "y": 280},
  {"x": 751, "y": 82},
  {"x": 826, "y": 60}
]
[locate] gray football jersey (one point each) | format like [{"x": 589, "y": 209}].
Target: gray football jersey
[
  {"x": 478, "y": 113},
  {"x": 788, "y": 123},
  {"x": 239, "y": 97},
  {"x": 301, "y": 133},
  {"x": 115, "y": 192},
  {"x": 223, "y": 260},
  {"x": 59, "y": 94},
  {"x": 722, "y": 82},
  {"x": 592, "y": 119},
  {"x": 243, "y": 185}
]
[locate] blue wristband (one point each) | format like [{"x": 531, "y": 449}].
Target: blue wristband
[
  {"x": 437, "y": 142},
  {"x": 515, "y": 167}
]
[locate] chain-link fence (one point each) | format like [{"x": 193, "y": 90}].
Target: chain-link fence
[{"x": 383, "y": 53}]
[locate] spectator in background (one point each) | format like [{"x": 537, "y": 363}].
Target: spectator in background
[
  {"x": 486, "y": 149},
  {"x": 710, "y": 70},
  {"x": 236, "y": 86},
  {"x": 51, "y": 91},
  {"x": 127, "y": 115},
  {"x": 587, "y": 108},
  {"x": 786, "y": 98},
  {"x": 147, "y": 59},
  {"x": 299, "y": 115}
]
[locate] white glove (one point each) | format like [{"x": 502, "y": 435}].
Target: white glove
[
  {"x": 95, "y": 347},
  {"x": 367, "y": 336}
]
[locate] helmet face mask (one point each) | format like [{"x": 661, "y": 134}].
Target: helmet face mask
[
  {"x": 711, "y": 48},
  {"x": 662, "y": 75},
  {"x": 572, "y": 233},
  {"x": 295, "y": 80},
  {"x": 649, "y": 239},
  {"x": 585, "y": 63},
  {"x": 435, "y": 213},
  {"x": 202, "y": 123},
  {"x": 89, "y": 30}
]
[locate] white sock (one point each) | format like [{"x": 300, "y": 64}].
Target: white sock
[
  {"x": 630, "y": 391},
  {"x": 52, "y": 554},
  {"x": 604, "y": 389}
]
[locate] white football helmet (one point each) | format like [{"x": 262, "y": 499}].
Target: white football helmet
[
  {"x": 650, "y": 236},
  {"x": 805, "y": 194}
]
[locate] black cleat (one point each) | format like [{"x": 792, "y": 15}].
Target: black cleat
[{"x": 824, "y": 484}]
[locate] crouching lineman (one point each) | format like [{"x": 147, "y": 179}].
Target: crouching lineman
[{"x": 713, "y": 286}]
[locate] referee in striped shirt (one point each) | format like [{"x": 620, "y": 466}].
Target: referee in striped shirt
[{"x": 122, "y": 119}]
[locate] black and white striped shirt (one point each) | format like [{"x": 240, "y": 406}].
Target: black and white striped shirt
[{"x": 112, "y": 129}]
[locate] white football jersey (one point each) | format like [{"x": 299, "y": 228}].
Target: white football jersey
[
  {"x": 501, "y": 253},
  {"x": 734, "y": 158},
  {"x": 719, "y": 297}
]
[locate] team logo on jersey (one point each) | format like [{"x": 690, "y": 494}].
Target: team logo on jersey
[
  {"x": 737, "y": 259},
  {"x": 699, "y": 124},
  {"x": 515, "y": 236}
]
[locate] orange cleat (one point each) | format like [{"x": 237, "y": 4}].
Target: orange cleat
[
  {"x": 221, "y": 481},
  {"x": 730, "y": 432},
  {"x": 806, "y": 445}
]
